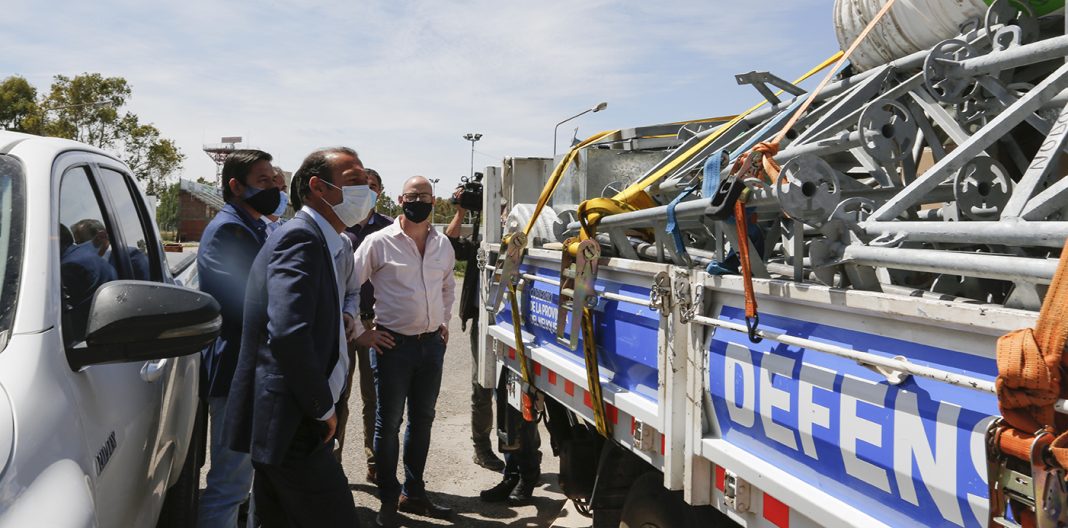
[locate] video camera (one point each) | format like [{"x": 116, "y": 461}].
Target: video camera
[{"x": 471, "y": 195}]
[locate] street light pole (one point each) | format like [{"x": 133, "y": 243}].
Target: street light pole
[
  {"x": 472, "y": 137},
  {"x": 598, "y": 108}
]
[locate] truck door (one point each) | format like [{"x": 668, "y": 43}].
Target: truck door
[
  {"x": 175, "y": 378},
  {"x": 120, "y": 408}
]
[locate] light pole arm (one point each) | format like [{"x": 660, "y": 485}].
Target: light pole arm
[{"x": 557, "y": 127}]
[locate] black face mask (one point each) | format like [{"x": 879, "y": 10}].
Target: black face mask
[
  {"x": 263, "y": 201},
  {"x": 417, "y": 211}
]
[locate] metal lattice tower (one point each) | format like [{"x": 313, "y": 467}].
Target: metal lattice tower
[{"x": 218, "y": 152}]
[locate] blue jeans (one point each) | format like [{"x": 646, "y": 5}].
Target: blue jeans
[
  {"x": 229, "y": 478},
  {"x": 410, "y": 371}
]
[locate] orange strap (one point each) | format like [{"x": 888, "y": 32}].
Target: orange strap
[
  {"x": 771, "y": 172},
  {"x": 833, "y": 71},
  {"x": 1029, "y": 382},
  {"x": 743, "y": 251}
]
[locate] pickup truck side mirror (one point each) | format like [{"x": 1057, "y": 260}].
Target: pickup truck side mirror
[{"x": 133, "y": 321}]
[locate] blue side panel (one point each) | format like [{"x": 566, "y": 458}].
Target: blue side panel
[
  {"x": 626, "y": 333},
  {"x": 911, "y": 454}
]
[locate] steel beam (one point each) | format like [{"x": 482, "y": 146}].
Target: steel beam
[
  {"x": 1001, "y": 233},
  {"x": 981, "y": 265},
  {"x": 988, "y": 135}
]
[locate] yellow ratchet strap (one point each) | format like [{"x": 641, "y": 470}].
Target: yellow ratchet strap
[
  {"x": 593, "y": 374},
  {"x": 517, "y": 322},
  {"x": 558, "y": 174},
  {"x": 627, "y": 195}
]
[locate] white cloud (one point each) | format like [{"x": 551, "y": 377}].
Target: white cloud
[{"x": 403, "y": 81}]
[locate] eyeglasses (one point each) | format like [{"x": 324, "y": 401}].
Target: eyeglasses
[{"x": 418, "y": 197}]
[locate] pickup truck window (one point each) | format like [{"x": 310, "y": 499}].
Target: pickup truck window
[
  {"x": 12, "y": 213},
  {"x": 87, "y": 259},
  {"x": 140, "y": 248}
]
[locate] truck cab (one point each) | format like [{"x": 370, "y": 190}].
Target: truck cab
[{"x": 98, "y": 363}]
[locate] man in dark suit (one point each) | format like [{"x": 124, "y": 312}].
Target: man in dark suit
[
  {"x": 228, "y": 246},
  {"x": 293, "y": 365}
]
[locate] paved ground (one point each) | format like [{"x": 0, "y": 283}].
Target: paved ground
[{"x": 452, "y": 478}]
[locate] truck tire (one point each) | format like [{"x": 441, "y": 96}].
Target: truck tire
[
  {"x": 650, "y": 505},
  {"x": 182, "y": 501}
]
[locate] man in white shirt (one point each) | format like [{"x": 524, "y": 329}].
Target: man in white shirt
[{"x": 410, "y": 265}]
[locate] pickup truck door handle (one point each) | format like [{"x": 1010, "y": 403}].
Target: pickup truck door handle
[{"x": 152, "y": 370}]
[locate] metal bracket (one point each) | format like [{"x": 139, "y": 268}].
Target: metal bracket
[
  {"x": 1043, "y": 490},
  {"x": 660, "y": 293},
  {"x": 578, "y": 274},
  {"x": 736, "y": 492},
  {"x": 1050, "y": 491},
  {"x": 642, "y": 435},
  {"x": 893, "y": 376},
  {"x": 761, "y": 80},
  {"x": 683, "y": 299},
  {"x": 506, "y": 274}
]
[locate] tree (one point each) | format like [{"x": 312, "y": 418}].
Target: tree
[
  {"x": 19, "y": 110},
  {"x": 89, "y": 108},
  {"x": 167, "y": 210},
  {"x": 151, "y": 158},
  {"x": 86, "y": 108},
  {"x": 385, "y": 205},
  {"x": 444, "y": 210}
]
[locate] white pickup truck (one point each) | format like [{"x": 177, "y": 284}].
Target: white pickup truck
[{"x": 98, "y": 370}]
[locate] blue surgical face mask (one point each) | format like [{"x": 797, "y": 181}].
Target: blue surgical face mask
[{"x": 283, "y": 202}]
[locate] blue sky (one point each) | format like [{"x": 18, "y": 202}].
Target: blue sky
[{"x": 402, "y": 82}]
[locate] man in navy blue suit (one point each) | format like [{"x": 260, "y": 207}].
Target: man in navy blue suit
[
  {"x": 293, "y": 362},
  {"x": 228, "y": 246}
]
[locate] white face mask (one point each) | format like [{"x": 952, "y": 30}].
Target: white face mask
[{"x": 356, "y": 202}]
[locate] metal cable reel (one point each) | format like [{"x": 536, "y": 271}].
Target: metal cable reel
[
  {"x": 808, "y": 190},
  {"x": 942, "y": 74},
  {"x": 888, "y": 130},
  {"x": 1012, "y": 13},
  {"x": 982, "y": 188}
]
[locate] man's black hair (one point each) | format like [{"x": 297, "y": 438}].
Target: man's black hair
[
  {"x": 319, "y": 164},
  {"x": 375, "y": 174},
  {"x": 237, "y": 165}
]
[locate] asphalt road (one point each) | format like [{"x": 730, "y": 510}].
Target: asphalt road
[{"x": 451, "y": 476}]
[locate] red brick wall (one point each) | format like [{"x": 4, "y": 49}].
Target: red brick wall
[{"x": 193, "y": 217}]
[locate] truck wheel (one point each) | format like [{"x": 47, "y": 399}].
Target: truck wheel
[
  {"x": 650, "y": 505},
  {"x": 183, "y": 498}
]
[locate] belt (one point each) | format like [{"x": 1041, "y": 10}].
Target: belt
[{"x": 417, "y": 337}]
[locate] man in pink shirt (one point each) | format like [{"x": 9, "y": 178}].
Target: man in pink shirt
[{"x": 410, "y": 265}]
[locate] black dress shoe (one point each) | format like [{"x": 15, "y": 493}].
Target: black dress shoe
[
  {"x": 499, "y": 493},
  {"x": 421, "y": 505},
  {"x": 387, "y": 516},
  {"x": 524, "y": 491}
]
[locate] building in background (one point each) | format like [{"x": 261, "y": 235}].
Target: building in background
[{"x": 198, "y": 203}]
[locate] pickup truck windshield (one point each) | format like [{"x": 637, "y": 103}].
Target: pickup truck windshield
[{"x": 12, "y": 213}]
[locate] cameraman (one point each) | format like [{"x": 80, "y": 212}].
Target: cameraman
[{"x": 481, "y": 399}]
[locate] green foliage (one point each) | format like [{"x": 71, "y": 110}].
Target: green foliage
[
  {"x": 167, "y": 208},
  {"x": 385, "y": 205},
  {"x": 19, "y": 110},
  {"x": 89, "y": 108},
  {"x": 443, "y": 210}
]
